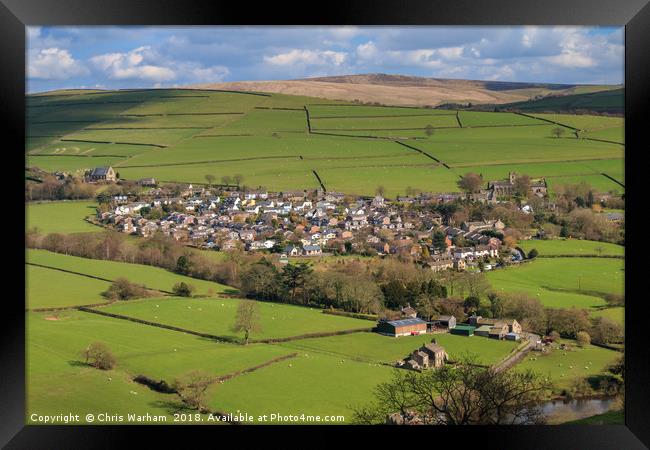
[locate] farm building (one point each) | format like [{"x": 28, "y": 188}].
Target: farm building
[
  {"x": 463, "y": 330},
  {"x": 478, "y": 321},
  {"x": 102, "y": 174},
  {"x": 448, "y": 322},
  {"x": 402, "y": 327},
  {"x": 499, "y": 330},
  {"x": 512, "y": 337},
  {"x": 483, "y": 330},
  {"x": 408, "y": 311}
]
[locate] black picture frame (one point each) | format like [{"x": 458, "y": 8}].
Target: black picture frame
[{"x": 633, "y": 14}]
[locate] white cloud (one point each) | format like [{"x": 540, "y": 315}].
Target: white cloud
[
  {"x": 130, "y": 65},
  {"x": 212, "y": 74},
  {"x": 54, "y": 64},
  {"x": 307, "y": 57}
]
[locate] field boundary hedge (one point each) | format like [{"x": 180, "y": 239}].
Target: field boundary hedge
[
  {"x": 257, "y": 367},
  {"x": 65, "y": 308},
  {"x": 209, "y": 162},
  {"x": 423, "y": 152},
  {"x": 87, "y": 275},
  {"x": 380, "y": 116},
  {"x": 582, "y": 256},
  {"x": 109, "y": 142},
  {"x": 161, "y": 325},
  {"x": 311, "y": 335},
  {"x": 336, "y": 312}
]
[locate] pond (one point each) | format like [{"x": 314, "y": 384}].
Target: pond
[{"x": 564, "y": 410}]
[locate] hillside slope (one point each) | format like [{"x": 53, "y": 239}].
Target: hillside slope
[{"x": 406, "y": 90}]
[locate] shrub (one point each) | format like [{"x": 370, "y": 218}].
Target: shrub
[
  {"x": 123, "y": 289},
  {"x": 183, "y": 289},
  {"x": 533, "y": 253},
  {"x": 583, "y": 338}
]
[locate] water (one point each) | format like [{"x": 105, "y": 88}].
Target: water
[{"x": 565, "y": 410}]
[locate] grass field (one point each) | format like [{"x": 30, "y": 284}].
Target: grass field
[
  {"x": 61, "y": 217},
  {"x": 562, "y": 367},
  {"x": 554, "y": 247},
  {"x": 375, "y": 348},
  {"x": 151, "y": 277},
  {"x": 617, "y": 314},
  {"x": 220, "y": 133},
  {"x": 58, "y": 380},
  {"x": 216, "y": 316},
  {"x": 563, "y": 282},
  {"x": 48, "y": 288}
]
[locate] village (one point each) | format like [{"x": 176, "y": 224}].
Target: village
[{"x": 310, "y": 223}]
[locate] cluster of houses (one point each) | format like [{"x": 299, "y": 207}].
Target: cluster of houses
[{"x": 300, "y": 223}]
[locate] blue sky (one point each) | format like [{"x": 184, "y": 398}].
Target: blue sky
[{"x": 136, "y": 57}]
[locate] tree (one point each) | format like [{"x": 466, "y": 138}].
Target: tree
[
  {"x": 210, "y": 179},
  {"x": 554, "y": 335},
  {"x": 439, "y": 241},
  {"x": 293, "y": 276},
  {"x": 522, "y": 186},
  {"x": 496, "y": 304},
  {"x": 470, "y": 183},
  {"x": 532, "y": 254},
  {"x": 238, "y": 179},
  {"x": 191, "y": 388},
  {"x": 583, "y": 338},
  {"x": 381, "y": 190},
  {"x": 464, "y": 394},
  {"x": 226, "y": 180},
  {"x": 183, "y": 289},
  {"x": 429, "y": 130},
  {"x": 183, "y": 265},
  {"x": 247, "y": 318},
  {"x": 472, "y": 303},
  {"x": 557, "y": 131},
  {"x": 98, "y": 355},
  {"x": 606, "y": 330}
]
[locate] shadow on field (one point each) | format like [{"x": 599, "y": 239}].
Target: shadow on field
[
  {"x": 76, "y": 363},
  {"x": 172, "y": 406}
]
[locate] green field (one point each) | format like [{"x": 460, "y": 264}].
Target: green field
[
  {"x": 616, "y": 314},
  {"x": 151, "y": 277},
  {"x": 228, "y": 133},
  {"x": 555, "y": 247},
  {"x": 561, "y": 367},
  {"x": 563, "y": 282},
  {"x": 376, "y": 348},
  {"x": 58, "y": 380},
  {"x": 216, "y": 316},
  {"x": 61, "y": 217},
  {"x": 49, "y": 288}
]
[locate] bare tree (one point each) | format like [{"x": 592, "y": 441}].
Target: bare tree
[
  {"x": 98, "y": 355},
  {"x": 464, "y": 394},
  {"x": 557, "y": 131},
  {"x": 470, "y": 183},
  {"x": 238, "y": 179},
  {"x": 247, "y": 318},
  {"x": 210, "y": 179},
  {"x": 191, "y": 388},
  {"x": 429, "y": 130},
  {"x": 226, "y": 179},
  {"x": 381, "y": 190}
]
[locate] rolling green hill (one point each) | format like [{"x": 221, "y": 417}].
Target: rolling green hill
[{"x": 280, "y": 141}]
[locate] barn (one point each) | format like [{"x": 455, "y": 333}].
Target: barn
[
  {"x": 463, "y": 330},
  {"x": 402, "y": 327}
]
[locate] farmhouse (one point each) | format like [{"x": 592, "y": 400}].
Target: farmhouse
[
  {"x": 312, "y": 250},
  {"x": 402, "y": 327},
  {"x": 102, "y": 174},
  {"x": 483, "y": 330},
  {"x": 428, "y": 356},
  {"x": 408, "y": 311}
]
